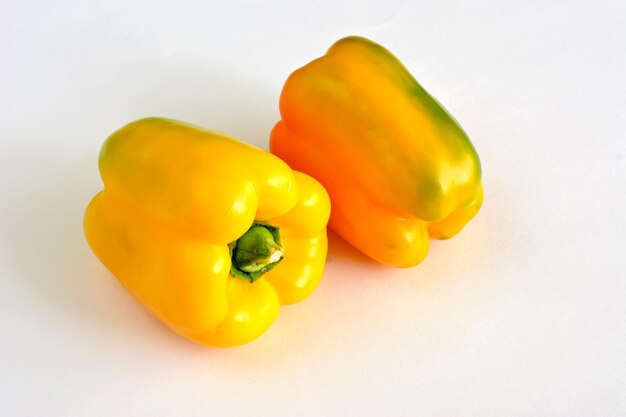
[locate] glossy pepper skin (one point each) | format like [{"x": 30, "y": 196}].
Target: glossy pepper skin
[
  {"x": 397, "y": 166},
  {"x": 175, "y": 196}
]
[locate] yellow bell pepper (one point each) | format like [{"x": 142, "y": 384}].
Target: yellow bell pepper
[
  {"x": 210, "y": 234},
  {"x": 398, "y": 168}
]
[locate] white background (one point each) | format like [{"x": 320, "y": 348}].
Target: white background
[{"x": 522, "y": 314}]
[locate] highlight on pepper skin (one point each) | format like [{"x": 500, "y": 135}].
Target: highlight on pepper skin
[
  {"x": 398, "y": 167},
  {"x": 209, "y": 234}
]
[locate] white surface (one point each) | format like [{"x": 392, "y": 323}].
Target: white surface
[{"x": 523, "y": 314}]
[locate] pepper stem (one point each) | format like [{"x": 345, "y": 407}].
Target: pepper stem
[{"x": 256, "y": 252}]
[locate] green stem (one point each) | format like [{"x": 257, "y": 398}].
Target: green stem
[{"x": 256, "y": 252}]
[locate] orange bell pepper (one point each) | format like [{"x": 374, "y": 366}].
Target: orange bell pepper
[{"x": 398, "y": 168}]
